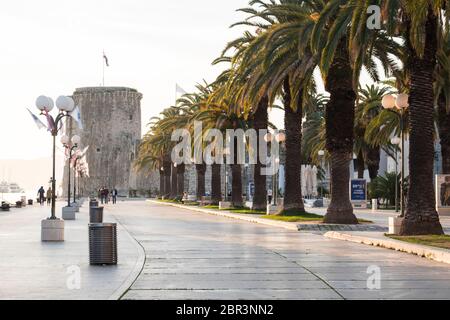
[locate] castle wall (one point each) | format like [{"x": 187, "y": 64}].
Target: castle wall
[{"x": 111, "y": 118}]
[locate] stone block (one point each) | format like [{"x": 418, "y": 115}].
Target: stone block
[
  {"x": 52, "y": 230},
  {"x": 272, "y": 210},
  {"x": 69, "y": 213},
  {"x": 395, "y": 225},
  {"x": 223, "y": 205}
]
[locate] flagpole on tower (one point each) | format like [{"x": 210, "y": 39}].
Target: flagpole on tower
[{"x": 103, "y": 64}]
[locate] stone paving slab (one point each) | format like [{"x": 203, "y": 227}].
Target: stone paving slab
[
  {"x": 266, "y": 294},
  {"x": 31, "y": 269},
  {"x": 177, "y": 242}
]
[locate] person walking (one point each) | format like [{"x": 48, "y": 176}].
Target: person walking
[
  {"x": 49, "y": 196},
  {"x": 101, "y": 192},
  {"x": 114, "y": 195},
  {"x": 106, "y": 195},
  {"x": 41, "y": 194}
]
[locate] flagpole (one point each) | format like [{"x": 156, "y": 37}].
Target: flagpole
[{"x": 103, "y": 64}]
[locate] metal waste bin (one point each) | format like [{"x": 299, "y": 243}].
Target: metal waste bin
[
  {"x": 93, "y": 203},
  {"x": 96, "y": 214},
  {"x": 103, "y": 244},
  {"x": 30, "y": 202}
]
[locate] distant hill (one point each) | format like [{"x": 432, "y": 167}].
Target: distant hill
[{"x": 30, "y": 174}]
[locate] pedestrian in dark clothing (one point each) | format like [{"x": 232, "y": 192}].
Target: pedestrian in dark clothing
[
  {"x": 106, "y": 195},
  {"x": 41, "y": 194},
  {"x": 114, "y": 195}
]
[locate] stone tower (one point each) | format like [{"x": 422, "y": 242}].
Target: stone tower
[{"x": 111, "y": 118}]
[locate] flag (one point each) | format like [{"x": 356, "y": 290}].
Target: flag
[
  {"x": 50, "y": 122},
  {"x": 106, "y": 59},
  {"x": 38, "y": 122},
  {"x": 179, "y": 90},
  {"x": 76, "y": 115}
]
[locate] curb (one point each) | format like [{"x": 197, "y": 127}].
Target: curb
[
  {"x": 135, "y": 272},
  {"x": 280, "y": 224},
  {"x": 435, "y": 254}
]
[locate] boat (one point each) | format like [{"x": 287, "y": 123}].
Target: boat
[{"x": 6, "y": 187}]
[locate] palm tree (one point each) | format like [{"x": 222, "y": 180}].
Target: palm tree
[
  {"x": 419, "y": 21},
  {"x": 442, "y": 93},
  {"x": 346, "y": 46},
  {"x": 272, "y": 67},
  {"x": 368, "y": 107}
]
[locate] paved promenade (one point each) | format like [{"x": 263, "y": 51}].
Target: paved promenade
[
  {"x": 30, "y": 269},
  {"x": 197, "y": 256},
  {"x": 191, "y": 255}
]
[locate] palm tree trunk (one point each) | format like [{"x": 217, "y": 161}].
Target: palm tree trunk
[
  {"x": 216, "y": 184},
  {"x": 180, "y": 178},
  {"x": 444, "y": 133},
  {"x": 237, "y": 200},
  {"x": 201, "y": 170},
  {"x": 373, "y": 162},
  {"x": 260, "y": 122},
  {"x": 167, "y": 166},
  {"x": 361, "y": 166},
  {"x": 173, "y": 189},
  {"x": 161, "y": 183},
  {"x": 236, "y": 186},
  {"x": 340, "y": 118},
  {"x": 293, "y": 199},
  {"x": 421, "y": 217}
]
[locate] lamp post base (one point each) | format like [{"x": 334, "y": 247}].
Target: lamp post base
[
  {"x": 223, "y": 205},
  {"x": 394, "y": 225},
  {"x": 52, "y": 230}
]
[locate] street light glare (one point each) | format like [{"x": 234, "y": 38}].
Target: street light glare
[
  {"x": 402, "y": 101},
  {"x": 42, "y": 103},
  {"x": 388, "y": 101},
  {"x": 65, "y": 139},
  {"x": 64, "y": 103},
  {"x": 76, "y": 140}
]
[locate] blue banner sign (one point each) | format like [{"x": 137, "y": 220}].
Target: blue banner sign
[{"x": 358, "y": 190}]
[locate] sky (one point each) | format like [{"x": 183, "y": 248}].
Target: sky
[{"x": 51, "y": 47}]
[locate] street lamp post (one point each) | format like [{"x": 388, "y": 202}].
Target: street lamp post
[
  {"x": 280, "y": 137},
  {"x": 396, "y": 141},
  {"x": 321, "y": 154},
  {"x": 77, "y": 158},
  {"x": 226, "y": 152},
  {"x": 399, "y": 106},
  {"x": 65, "y": 105},
  {"x": 70, "y": 147}
]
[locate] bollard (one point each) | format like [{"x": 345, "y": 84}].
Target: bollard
[{"x": 96, "y": 215}]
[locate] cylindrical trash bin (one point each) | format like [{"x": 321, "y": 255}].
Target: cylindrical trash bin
[
  {"x": 93, "y": 203},
  {"x": 30, "y": 202},
  {"x": 102, "y": 243},
  {"x": 96, "y": 214}
]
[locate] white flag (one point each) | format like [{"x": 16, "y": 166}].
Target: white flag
[
  {"x": 76, "y": 115},
  {"x": 179, "y": 90}
]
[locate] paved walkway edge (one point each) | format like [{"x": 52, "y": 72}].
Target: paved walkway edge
[
  {"x": 280, "y": 224},
  {"x": 419, "y": 250},
  {"x": 137, "y": 269}
]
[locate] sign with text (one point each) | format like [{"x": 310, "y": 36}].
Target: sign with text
[{"x": 358, "y": 190}]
